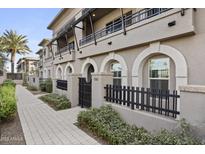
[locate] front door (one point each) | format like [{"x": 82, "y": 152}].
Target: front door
[
  {"x": 85, "y": 89},
  {"x": 85, "y": 92}
]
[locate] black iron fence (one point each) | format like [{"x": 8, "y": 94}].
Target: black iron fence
[
  {"x": 152, "y": 100},
  {"x": 128, "y": 21},
  {"x": 14, "y": 76},
  {"x": 61, "y": 84}
]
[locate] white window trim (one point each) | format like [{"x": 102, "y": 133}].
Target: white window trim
[{"x": 149, "y": 78}]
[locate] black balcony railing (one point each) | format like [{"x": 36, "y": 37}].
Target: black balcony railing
[
  {"x": 128, "y": 21},
  {"x": 61, "y": 84},
  {"x": 70, "y": 47},
  {"x": 14, "y": 76},
  {"x": 151, "y": 100}
]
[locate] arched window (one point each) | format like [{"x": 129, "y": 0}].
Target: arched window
[
  {"x": 159, "y": 73},
  {"x": 116, "y": 69}
]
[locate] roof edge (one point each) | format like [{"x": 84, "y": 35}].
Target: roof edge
[{"x": 56, "y": 18}]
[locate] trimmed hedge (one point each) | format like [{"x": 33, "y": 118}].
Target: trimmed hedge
[
  {"x": 32, "y": 88},
  {"x": 56, "y": 101},
  {"x": 107, "y": 124},
  {"x": 9, "y": 82},
  {"x": 7, "y": 101},
  {"x": 46, "y": 86},
  {"x": 49, "y": 85}
]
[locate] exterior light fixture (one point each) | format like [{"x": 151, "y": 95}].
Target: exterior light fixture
[{"x": 93, "y": 14}]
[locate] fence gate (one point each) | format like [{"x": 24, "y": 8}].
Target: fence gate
[{"x": 85, "y": 92}]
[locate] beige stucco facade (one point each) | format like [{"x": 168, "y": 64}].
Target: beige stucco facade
[{"x": 178, "y": 34}]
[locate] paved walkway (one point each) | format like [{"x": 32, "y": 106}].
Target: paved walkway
[{"x": 42, "y": 125}]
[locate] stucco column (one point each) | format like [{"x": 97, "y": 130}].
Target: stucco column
[
  {"x": 99, "y": 81},
  {"x": 192, "y": 107},
  {"x": 73, "y": 89},
  {"x": 54, "y": 86}
]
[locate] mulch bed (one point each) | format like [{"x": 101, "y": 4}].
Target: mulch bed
[
  {"x": 11, "y": 132},
  {"x": 91, "y": 134}
]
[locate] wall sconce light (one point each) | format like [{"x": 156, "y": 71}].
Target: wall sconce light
[
  {"x": 172, "y": 23},
  {"x": 93, "y": 14}
]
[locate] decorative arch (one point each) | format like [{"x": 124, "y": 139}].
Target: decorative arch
[
  {"x": 120, "y": 59},
  {"x": 86, "y": 65},
  {"x": 155, "y": 48},
  {"x": 59, "y": 68},
  {"x": 66, "y": 67}
]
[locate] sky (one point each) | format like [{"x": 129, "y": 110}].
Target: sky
[{"x": 30, "y": 22}]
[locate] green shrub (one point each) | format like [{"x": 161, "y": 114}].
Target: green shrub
[
  {"x": 56, "y": 101},
  {"x": 32, "y": 88},
  {"x": 42, "y": 86},
  {"x": 9, "y": 82},
  {"x": 107, "y": 124},
  {"x": 7, "y": 101},
  {"x": 48, "y": 85}
]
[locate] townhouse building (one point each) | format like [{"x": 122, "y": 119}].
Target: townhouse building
[
  {"x": 144, "y": 61},
  {"x": 46, "y": 60},
  {"x": 27, "y": 65}
]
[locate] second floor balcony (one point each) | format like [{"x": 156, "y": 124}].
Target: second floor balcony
[
  {"x": 69, "y": 48},
  {"x": 141, "y": 27},
  {"x": 64, "y": 54}
]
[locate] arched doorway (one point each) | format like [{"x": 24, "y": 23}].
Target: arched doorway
[{"x": 85, "y": 83}]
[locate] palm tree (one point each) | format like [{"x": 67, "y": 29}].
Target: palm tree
[{"x": 13, "y": 44}]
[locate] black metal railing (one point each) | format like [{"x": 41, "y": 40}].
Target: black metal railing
[
  {"x": 69, "y": 47},
  {"x": 14, "y": 76},
  {"x": 61, "y": 84},
  {"x": 128, "y": 21},
  {"x": 157, "y": 101}
]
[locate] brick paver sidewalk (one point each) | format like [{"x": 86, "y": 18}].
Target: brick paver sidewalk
[{"x": 42, "y": 125}]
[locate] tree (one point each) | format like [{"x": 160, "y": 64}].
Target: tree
[{"x": 13, "y": 44}]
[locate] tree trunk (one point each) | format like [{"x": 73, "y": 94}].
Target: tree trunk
[{"x": 12, "y": 64}]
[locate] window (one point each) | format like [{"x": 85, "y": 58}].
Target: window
[
  {"x": 152, "y": 12},
  {"x": 128, "y": 17},
  {"x": 159, "y": 73},
  {"x": 109, "y": 28},
  {"x": 116, "y": 69},
  {"x": 116, "y": 25}
]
